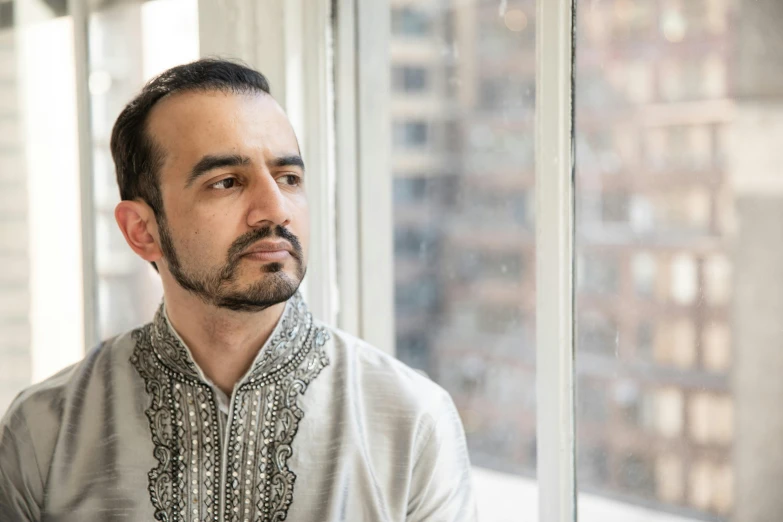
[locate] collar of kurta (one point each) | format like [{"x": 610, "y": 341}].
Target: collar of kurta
[
  {"x": 237, "y": 470},
  {"x": 281, "y": 353}
]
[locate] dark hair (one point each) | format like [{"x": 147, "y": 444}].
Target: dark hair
[{"x": 137, "y": 157}]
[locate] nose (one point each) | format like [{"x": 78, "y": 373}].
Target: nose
[{"x": 268, "y": 204}]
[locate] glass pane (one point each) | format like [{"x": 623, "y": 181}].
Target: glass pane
[
  {"x": 41, "y": 295},
  {"x": 130, "y": 42},
  {"x": 679, "y": 212},
  {"x": 462, "y": 112},
  {"x": 40, "y": 251}
]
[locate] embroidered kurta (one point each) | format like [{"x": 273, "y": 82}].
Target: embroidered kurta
[{"x": 323, "y": 427}]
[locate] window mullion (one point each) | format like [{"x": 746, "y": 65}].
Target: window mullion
[
  {"x": 77, "y": 9},
  {"x": 346, "y": 157},
  {"x": 554, "y": 262},
  {"x": 376, "y": 261}
]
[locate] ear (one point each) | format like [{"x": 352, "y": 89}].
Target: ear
[{"x": 137, "y": 223}]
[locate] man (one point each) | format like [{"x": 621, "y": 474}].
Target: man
[{"x": 233, "y": 404}]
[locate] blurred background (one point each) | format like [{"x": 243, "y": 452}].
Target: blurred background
[{"x": 679, "y": 225}]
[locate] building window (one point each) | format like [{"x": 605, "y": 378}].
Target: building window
[
  {"x": 716, "y": 347},
  {"x": 614, "y": 207},
  {"x": 419, "y": 296},
  {"x": 409, "y": 190},
  {"x": 410, "y": 79},
  {"x": 415, "y": 242},
  {"x": 411, "y": 134},
  {"x": 684, "y": 279},
  {"x": 593, "y": 405},
  {"x": 499, "y": 319},
  {"x": 637, "y": 475},
  {"x": 669, "y": 477},
  {"x": 717, "y": 280},
  {"x": 598, "y": 273},
  {"x": 409, "y": 21},
  {"x": 669, "y": 412},
  {"x": 597, "y": 333},
  {"x": 645, "y": 341}
]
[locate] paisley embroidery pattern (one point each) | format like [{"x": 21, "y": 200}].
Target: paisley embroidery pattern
[{"x": 183, "y": 418}]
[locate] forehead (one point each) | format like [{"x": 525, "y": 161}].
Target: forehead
[{"x": 189, "y": 125}]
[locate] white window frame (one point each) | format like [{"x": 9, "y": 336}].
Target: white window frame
[
  {"x": 364, "y": 204},
  {"x": 79, "y": 13},
  {"x": 554, "y": 187},
  {"x": 328, "y": 67}
]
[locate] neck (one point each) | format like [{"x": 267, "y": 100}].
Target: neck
[{"x": 224, "y": 343}]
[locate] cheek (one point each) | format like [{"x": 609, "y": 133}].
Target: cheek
[
  {"x": 205, "y": 236},
  {"x": 302, "y": 228}
]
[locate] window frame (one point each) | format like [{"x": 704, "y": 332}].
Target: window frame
[
  {"x": 554, "y": 188},
  {"x": 79, "y": 12}
]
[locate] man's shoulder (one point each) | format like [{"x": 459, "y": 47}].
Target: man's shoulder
[
  {"x": 387, "y": 376},
  {"x": 48, "y": 395}
]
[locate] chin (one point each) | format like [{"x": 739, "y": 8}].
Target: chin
[
  {"x": 273, "y": 268},
  {"x": 270, "y": 290},
  {"x": 274, "y": 279}
]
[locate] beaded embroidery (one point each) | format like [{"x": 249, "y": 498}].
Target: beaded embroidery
[{"x": 182, "y": 414}]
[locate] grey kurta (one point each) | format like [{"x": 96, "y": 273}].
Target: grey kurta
[{"x": 323, "y": 427}]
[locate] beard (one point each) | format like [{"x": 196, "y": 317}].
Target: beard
[{"x": 215, "y": 286}]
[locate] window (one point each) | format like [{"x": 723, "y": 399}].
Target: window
[
  {"x": 600, "y": 273},
  {"x": 416, "y": 242},
  {"x": 637, "y": 475},
  {"x": 41, "y": 296},
  {"x": 411, "y": 22},
  {"x": 716, "y": 347},
  {"x": 644, "y": 272},
  {"x": 668, "y": 60},
  {"x": 410, "y": 190},
  {"x": 670, "y": 478},
  {"x": 717, "y": 280},
  {"x": 645, "y": 341},
  {"x": 46, "y": 300},
  {"x": 711, "y": 418},
  {"x": 411, "y": 134},
  {"x": 684, "y": 283},
  {"x": 593, "y": 401},
  {"x": 635, "y": 405},
  {"x": 463, "y": 213},
  {"x": 597, "y": 333},
  {"x": 410, "y": 79}
]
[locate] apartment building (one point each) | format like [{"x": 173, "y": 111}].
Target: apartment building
[{"x": 654, "y": 210}]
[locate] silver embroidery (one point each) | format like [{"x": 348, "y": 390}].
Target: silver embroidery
[{"x": 182, "y": 414}]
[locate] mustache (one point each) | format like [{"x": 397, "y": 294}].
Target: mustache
[{"x": 241, "y": 244}]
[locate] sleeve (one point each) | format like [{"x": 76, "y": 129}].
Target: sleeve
[
  {"x": 21, "y": 487},
  {"x": 441, "y": 483}
]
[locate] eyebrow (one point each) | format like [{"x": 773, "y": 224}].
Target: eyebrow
[
  {"x": 293, "y": 160},
  {"x": 215, "y": 161}
]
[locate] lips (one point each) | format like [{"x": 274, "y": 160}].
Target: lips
[
  {"x": 269, "y": 247},
  {"x": 269, "y": 251},
  {"x": 274, "y": 255}
]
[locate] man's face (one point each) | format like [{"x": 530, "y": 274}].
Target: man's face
[{"x": 236, "y": 225}]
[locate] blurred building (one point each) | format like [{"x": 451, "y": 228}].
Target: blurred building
[
  {"x": 654, "y": 214},
  {"x": 654, "y": 217}
]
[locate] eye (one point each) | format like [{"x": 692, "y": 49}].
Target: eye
[
  {"x": 292, "y": 180},
  {"x": 224, "y": 184}
]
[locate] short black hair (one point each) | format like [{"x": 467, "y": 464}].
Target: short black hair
[{"x": 137, "y": 158}]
